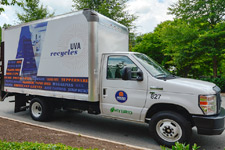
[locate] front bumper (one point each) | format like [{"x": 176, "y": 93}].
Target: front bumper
[{"x": 210, "y": 125}]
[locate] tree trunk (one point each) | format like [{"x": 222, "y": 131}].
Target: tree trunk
[{"x": 184, "y": 71}]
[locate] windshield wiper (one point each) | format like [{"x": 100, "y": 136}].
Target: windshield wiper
[
  {"x": 161, "y": 75},
  {"x": 165, "y": 76}
]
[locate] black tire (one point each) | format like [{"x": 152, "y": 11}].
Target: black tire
[
  {"x": 40, "y": 110},
  {"x": 168, "y": 127}
]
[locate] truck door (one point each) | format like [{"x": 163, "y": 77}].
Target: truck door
[{"x": 122, "y": 98}]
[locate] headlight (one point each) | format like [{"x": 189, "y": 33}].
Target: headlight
[{"x": 208, "y": 104}]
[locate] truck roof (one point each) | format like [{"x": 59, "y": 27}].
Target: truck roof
[
  {"x": 66, "y": 15},
  {"x": 118, "y": 52},
  {"x": 45, "y": 19}
]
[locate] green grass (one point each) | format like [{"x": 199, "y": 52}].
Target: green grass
[
  {"x": 36, "y": 146},
  {"x": 180, "y": 146},
  {"x": 41, "y": 146}
]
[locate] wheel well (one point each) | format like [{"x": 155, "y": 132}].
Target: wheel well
[{"x": 169, "y": 107}]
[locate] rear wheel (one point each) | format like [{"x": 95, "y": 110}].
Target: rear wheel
[
  {"x": 40, "y": 110},
  {"x": 168, "y": 127}
]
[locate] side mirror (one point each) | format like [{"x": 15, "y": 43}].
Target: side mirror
[{"x": 126, "y": 74}]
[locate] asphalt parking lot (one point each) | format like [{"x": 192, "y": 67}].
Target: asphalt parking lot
[{"x": 111, "y": 129}]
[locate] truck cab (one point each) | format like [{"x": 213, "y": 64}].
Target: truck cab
[{"x": 135, "y": 87}]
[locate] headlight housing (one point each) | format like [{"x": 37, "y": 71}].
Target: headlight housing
[{"x": 208, "y": 104}]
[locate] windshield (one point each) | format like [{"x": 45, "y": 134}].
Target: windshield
[{"x": 152, "y": 66}]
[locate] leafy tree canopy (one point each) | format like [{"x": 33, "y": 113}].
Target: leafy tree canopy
[
  {"x": 207, "y": 15},
  {"x": 33, "y": 11},
  {"x": 188, "y": 49},
  {"x": 212, "y": 11},
  {"x": 151, "y": 45},
  {"x": 114, "y": 9},
  {"x": 179, "y": 38},
  {"x": 6, "y": 3}
]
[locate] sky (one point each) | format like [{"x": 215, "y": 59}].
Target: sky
[{"x": 149, "y": 12}]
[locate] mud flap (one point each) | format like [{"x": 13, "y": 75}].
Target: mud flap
[{"x": 20, "y": 103}]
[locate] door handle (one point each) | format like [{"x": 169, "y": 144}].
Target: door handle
[{"x": 104, "y": 91}]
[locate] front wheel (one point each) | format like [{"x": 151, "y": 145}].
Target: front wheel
[{"x": 168, "y": 127}]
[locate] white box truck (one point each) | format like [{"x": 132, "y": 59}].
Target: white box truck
[{"x": 80, "y": 61}]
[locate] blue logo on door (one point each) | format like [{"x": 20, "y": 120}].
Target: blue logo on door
[{"x": 121, "y": 96}]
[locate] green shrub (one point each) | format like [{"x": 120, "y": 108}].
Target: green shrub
[
  {"x": 36, "y": 146},
  {"x": 180, "y": 146},
  {"x": 220, "y": 82}
]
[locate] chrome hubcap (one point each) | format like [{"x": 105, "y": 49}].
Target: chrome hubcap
[
  {"x": 169, "y": 130},
  {"x": 36, "y": 109}
]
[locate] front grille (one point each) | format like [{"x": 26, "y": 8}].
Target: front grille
[{"x": 218, "y": 98}]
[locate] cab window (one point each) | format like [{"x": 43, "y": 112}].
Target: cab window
[{"x": 116, "y": 64}]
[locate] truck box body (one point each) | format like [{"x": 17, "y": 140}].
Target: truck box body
[{"x": 59, "y": 57}]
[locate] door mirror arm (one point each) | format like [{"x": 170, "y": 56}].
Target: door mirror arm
[{"x": 139, "y": 76}]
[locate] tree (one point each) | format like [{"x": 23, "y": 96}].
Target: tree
[
  {"x": 207, "y": 12},
  {"x": 176, "y": 44},
  {"x": 212, "y": 42},
  {"x": 6, "y": 3},
  {"x": 172, "y": 45},
  {"x": 33, "y": 11},
  {"x": 179, "y": 38},
  {"x": 5, "y": 26},
  {"x": 114, "y": 9},
  {"x": 211, "y": 11},
  {"x": 151, "y": 45}
]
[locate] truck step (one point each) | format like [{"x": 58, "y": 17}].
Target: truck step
[{"x": 24, "y": 108}]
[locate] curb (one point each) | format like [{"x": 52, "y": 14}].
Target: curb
[{"x": 82, "y": 135}]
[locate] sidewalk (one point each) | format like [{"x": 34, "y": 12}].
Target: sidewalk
[{"x": 223, "y": 94}]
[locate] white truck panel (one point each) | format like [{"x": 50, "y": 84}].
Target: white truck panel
[
  {"x": 112, "y": 36},
  {"x": 60, "y": 36},
  {"x": 49, "y": 55},
  {"x": 60, "y": 56},
  {"x": 12, "y": 35}
]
